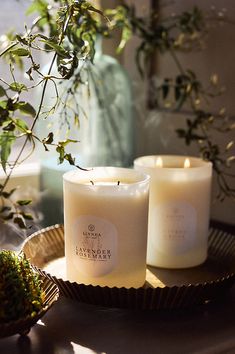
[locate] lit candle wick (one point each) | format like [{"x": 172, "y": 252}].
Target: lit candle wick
[
  {"x": 186, "y": 163},
  {"x": 159, "y": 162}
]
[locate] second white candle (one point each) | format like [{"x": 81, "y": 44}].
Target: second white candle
[{"x": 179, "y": 210}]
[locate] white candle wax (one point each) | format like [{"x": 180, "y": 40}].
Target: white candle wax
[
  {"x": 106, "y": 220},
  {"x": 179, "y": 209}
]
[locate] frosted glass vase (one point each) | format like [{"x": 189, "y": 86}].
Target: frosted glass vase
[{"x": 108, "y": 131}]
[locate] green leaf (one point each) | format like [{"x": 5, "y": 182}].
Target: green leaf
[
  {"x": 27, "y": 108},
  {"x": 21, "y": 39},
  {"x": 21, "y": 125},
  {"x": 8, "y": 194},
  {"x": 6, "y": 141},
  {"x": 17, "y": 87},
  {"x": 66, "y": 142},
  {"x": 126, "y": 35},
  {"x": 59, "y": 49},
  {"x": 29, "y": 73},
  {"x": 77, "y": 120},
  {"x": 2, "y": 91},
  {"x": 39, "y": 6},
  {"x": 70, "y": 159},
  {"x": 3, "y": 104},
  {"x": 27, "y": 216},
  {"x": 20, "y": 52},
  {"x": 19, "y": 220},
  {"x": 9, "y": 126},
  {"x": 48, "y": 139},
  {"x": 94, "y": 9},
  {"x": 4, "y": 115},
  {"x": 9, "y": 216},
  {"x": 60, "y": 150},
  {"x": 24, "y": 202}
]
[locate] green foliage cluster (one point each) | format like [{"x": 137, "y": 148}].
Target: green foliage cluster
[
  {"x": 184, "y": 92},
  {"x": 67, "y": 30},
  {"x": 21, "y": 293},
  {"x": 72, "y": 31}
]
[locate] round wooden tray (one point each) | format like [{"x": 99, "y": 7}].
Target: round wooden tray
[{"x": 164, "y": 288}]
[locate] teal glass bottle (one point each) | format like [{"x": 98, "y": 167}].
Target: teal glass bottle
[{"x": 108, "y": 138}]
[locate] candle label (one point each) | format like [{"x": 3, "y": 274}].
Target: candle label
[
  {"x": 95, "y": 245},
  {"x": 175, "y": 227}
]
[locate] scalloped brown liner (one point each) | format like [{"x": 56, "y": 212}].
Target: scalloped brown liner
[
  {"x": 179, "y": 288},
  {"x": 23, "y": 325}
]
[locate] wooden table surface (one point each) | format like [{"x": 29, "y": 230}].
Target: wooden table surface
[{"x": 75, "y": 328}]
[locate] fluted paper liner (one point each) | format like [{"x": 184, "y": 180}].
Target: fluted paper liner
[
  {"x": 23, "y": 325},
  {"x": 164, "y": 288}
]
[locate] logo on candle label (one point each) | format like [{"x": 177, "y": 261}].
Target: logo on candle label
[
  {"x": 91, "y": 227},
  {"x": 95, "y": 245},
  {"x": 174, "y": 225}
]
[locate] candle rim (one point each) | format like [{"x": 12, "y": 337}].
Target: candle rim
[
  {"x": 203, "y": 163},
  {"x": 84, "y": 182}
]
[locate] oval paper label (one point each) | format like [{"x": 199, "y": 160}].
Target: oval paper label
[
  {"x": 95, "y": 245},
  {"x": 174, "y": 227}
]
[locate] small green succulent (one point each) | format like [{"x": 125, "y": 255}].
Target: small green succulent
[{"x": 21, "y": 292}]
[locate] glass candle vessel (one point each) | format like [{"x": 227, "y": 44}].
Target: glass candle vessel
[
  {"x": 179, "y": 209},
  {"x": 106, "y": 220}
]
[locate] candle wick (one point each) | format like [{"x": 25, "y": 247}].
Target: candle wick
[
  {"x": 118, "y": 183},
  {"x": 92, "y": 183}
]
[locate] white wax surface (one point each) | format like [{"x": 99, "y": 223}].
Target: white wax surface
[
  {"x": 179, "y": 209},
  {"x": 106, "y": 226}
]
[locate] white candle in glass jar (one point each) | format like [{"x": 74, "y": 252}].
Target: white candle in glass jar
[
  {"x": 106, "y": 220},
  {"x": 179, "y": 209}
]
